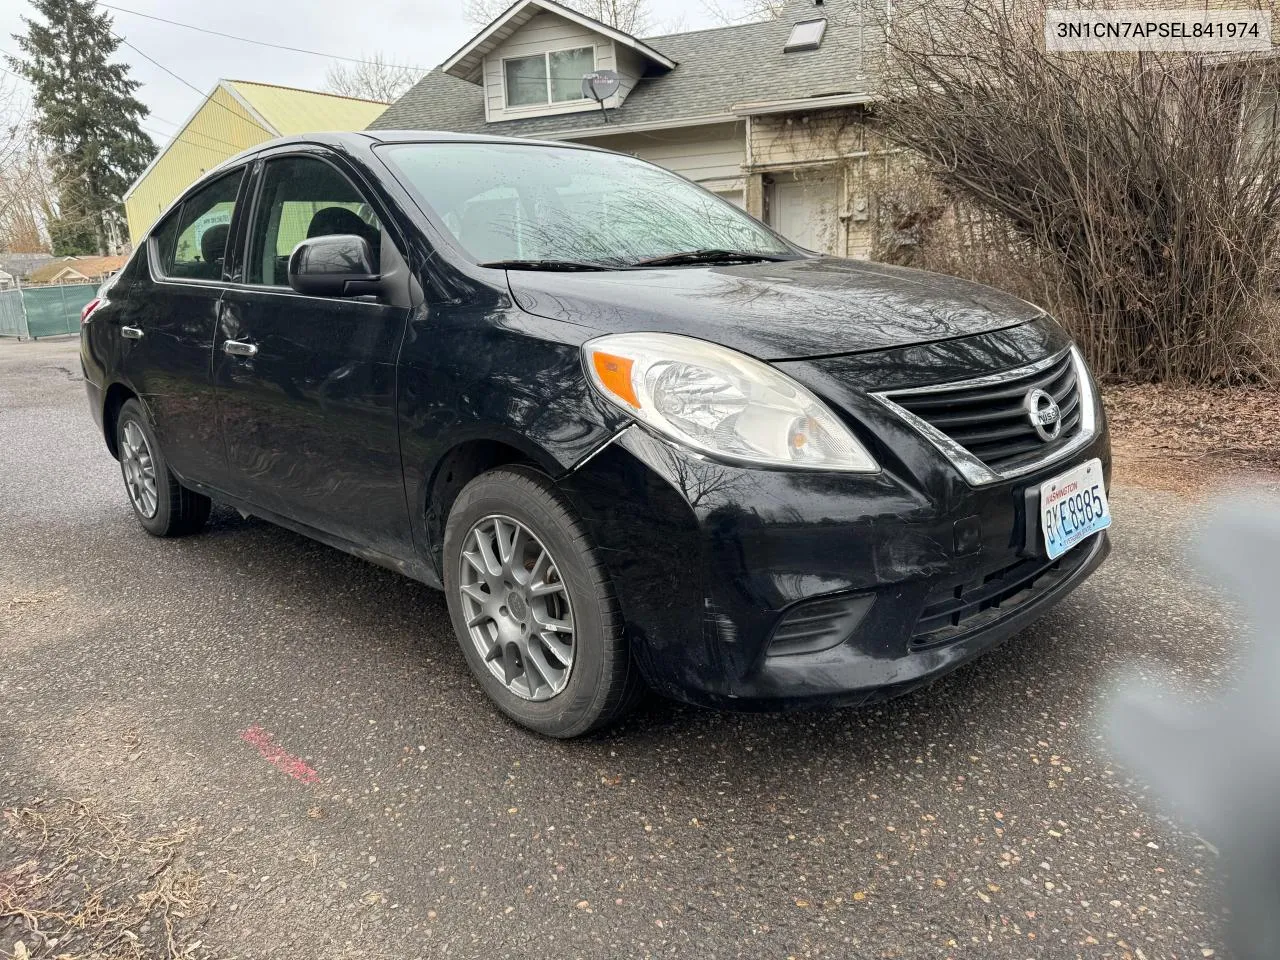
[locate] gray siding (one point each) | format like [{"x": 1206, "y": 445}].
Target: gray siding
[
  {"x": 717, "y": 69},
  {"x": 709, "y": 153},
  {"x": 546, "y": 33}
]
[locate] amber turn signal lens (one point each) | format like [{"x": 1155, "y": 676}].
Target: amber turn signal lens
[{"x": 615, "y": 376}]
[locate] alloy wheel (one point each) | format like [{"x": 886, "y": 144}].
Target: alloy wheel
[
  {"x": 139, "y": 468},
  {"x": 517, "y": 607}
]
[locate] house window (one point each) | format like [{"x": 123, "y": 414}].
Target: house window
[
  {"x": 554, "y": 77},
  {"x": 806, "y": 35},
  {"x": 1260, "y": 111}
]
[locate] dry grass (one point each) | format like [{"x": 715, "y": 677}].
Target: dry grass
[
  {"x": 85, "y": 886},
  {"x": 1188, "y": 439},
  {"x": 27, "y": 600}
]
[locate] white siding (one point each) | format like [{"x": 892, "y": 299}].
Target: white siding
[
  {"x": 712, "y": 155},
  {"x": 805, "y": 158},
  {"x": 631, "y": 67},
  {"x": 794, "y": 139},
  {"x": 546, "y": 33}
]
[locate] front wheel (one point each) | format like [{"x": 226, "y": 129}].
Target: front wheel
[
  {"x": 533, "y": 607},
  {"x": 163, "y": 506}
]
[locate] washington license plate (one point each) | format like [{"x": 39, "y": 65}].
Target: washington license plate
[{"x": 1073, "y": 505}]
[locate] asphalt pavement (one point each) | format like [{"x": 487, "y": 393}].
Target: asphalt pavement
[{"x": 305, "y": 723}]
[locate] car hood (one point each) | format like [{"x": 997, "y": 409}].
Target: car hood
[{"x": 789, "y": 310}]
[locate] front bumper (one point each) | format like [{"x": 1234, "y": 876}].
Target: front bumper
[{"x": 709, "y": 559}]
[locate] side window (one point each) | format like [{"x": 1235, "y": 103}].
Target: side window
[
  {"x": 163, "y": 237},
  {"x": 192, "y": 244},
  {"x": 301, "y": 198}
]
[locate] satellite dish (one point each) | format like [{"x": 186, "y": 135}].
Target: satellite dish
[{"x": 599, "y": 85}]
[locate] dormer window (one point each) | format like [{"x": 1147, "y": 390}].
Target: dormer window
[
  {"x": 554, "y": 77},
  {"x": 806, "y": 35}
]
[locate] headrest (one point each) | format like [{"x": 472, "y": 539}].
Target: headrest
[
  {"x": 334, "y": 220},
  {"x": 213, "y": 243}
]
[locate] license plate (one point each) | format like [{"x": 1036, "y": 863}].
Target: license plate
[{"x": 1073, "y": 505}]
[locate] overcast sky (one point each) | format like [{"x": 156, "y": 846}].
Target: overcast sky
[{"x": 417, "y": 32}]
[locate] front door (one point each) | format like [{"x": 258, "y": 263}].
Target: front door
[
  {"x": 168, "y": 325},
  {"x": 307, "y": 385}
]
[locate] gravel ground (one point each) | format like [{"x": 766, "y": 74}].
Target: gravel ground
[{"x": 300, "y": 727}]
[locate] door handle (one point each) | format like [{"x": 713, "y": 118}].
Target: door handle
[
  {"x": 131, "y": 333},
  {"x": 238, "y": 348}
]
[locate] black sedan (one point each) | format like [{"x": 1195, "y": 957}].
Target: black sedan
[{"x": 638, "y": 438}]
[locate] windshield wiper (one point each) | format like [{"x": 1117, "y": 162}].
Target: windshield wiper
[
  {"x": 708, "y": 256},
  {"x": 549, "y": 265}
]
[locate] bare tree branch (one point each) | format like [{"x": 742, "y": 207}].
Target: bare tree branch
[
  {"x": 743, "y": 11},
  {"x": 629, "y": 16},
  {"x": 375, "y": 79},
  {"x": 1149, "y": 183},
  {"x": 27, "y": 183}
]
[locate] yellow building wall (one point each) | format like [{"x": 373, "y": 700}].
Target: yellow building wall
[
  {"x": 220, "y": 129},
  {"x": 304, "y": 111},
  {"x": 223, "y": 127}
]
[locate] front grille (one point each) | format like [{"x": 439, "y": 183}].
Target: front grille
[
  {"x": 989, "y": 417},
  {"x": 956, "y": 610}
]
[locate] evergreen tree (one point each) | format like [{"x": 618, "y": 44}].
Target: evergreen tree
[{"x": 88, "y": 116}]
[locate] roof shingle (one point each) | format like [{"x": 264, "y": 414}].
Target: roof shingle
[
  {"x": 93, "y": 267},
  {"x": 718, "y": 68}
]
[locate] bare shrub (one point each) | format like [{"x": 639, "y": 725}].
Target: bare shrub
[
  {"x": 1145, "y": 186},
  {"x": 921, "y": 223}
]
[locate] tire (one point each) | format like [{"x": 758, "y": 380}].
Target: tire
[
  {"x": 602, "y": 683},
  {"x": 164, "y": 507}
]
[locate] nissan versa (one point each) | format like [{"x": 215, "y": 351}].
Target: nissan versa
[{"x": 638, "y": 438}]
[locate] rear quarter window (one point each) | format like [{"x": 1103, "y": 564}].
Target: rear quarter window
[{"x": 193, "y": 241}]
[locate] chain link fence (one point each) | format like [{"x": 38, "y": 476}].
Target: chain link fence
[
  {"x": 34, "y": 312},
  {"x": 13, "y": 319}
]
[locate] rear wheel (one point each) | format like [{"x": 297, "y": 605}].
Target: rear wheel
[
  {"x": 533, "y": 608},
  {"x": 162, "y": 505}
]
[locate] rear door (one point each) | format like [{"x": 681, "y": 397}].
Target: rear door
[
  {"x": 169, "y": 321},
  {"x": 307, "y": 385}
]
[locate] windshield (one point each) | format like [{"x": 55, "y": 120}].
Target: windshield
[{"x": 513, "y": 202}]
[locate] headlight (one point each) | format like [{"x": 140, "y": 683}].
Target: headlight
[{"x": 721, "y": 402}]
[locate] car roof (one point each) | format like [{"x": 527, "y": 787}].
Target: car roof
[{"x": 362, "y": 139}]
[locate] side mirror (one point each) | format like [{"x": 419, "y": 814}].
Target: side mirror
[{"x": 338, "y": 265}]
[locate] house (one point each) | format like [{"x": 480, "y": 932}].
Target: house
[
  {"x": 235, "y": 116},
  {"x": 21, "y": 265},
  {"x": 90, "y": 269},
  {"x": 772, "y": 116}
]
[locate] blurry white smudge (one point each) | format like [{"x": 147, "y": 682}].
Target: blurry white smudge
[{"x": 1218, "y": 764}]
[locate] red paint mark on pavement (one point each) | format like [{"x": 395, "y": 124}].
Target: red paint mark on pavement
[{"x": 277, "y": 756}]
